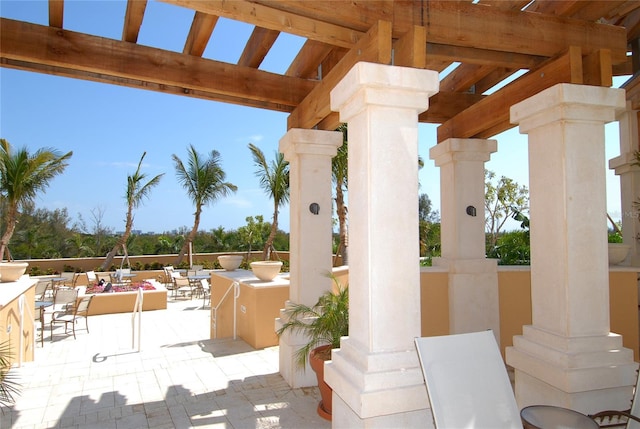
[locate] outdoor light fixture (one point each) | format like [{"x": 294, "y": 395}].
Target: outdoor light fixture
[
  {"x": 471, "y": 211},
  {"x": 314, "y": 208}
]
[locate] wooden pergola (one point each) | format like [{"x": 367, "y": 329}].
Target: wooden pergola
[{"x": 566, "y": 41}]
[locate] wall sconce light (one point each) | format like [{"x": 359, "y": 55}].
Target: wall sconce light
[
  {"x": 314, "y": 208},
  {"x": 471, "y": 211}
]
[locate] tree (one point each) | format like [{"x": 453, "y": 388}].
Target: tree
[
  {"x": 22, "y": 177},
  {"x": 274, "y": 180},
  {"x": 137, "y": 191},
  {"x": 502, "y": 200},
  {"x": 340, "y": 175},
  {"x": 204, "y": 180}
]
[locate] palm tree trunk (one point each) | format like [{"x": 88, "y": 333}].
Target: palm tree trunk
[
  {"x": 190, "y": 237},
  {"x": 12, "y": 218},
  {"x": 121, "y": 242},
  {"x": 341, "y": 209},
  {"x": 266, "y": 252}
]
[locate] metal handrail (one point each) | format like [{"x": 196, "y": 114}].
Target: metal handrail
[
  {"x": 137, "y": 308},
  {"x": 236, "y": 295}
]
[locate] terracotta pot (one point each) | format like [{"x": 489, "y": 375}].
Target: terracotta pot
[{"x": 317, "y": 358}]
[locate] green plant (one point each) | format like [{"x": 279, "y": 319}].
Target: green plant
[
  {"x": 324, "y": 323},
  {"x": 615, "y": 237},
  {"x": 8, "y": 384}
]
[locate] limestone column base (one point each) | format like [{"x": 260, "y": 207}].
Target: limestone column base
[
  {"x": 587, "y": 374},
  {"x": 289, "y": 344},
  {"x": 345, "y": 418},
  {"x": 474, "y": 303},
  {"x": 376, "y": 385}
]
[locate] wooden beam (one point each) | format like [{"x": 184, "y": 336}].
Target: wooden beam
[
  {"x": 449, "y": 53},
  {"x": 133, "y": 20},
  {"x": 199, "y": 34},
  {"x": 257, "y": 47},
  {"x": 274, "y": 19},
  {"x": 410, "y": 49},
  {"x": 374, "y": 47},
  {"x": 31, "y": 43},
  {"x": 597, "y": 69},
  {"x": 144, "y": 85},
  {"x": 490, "y": 116},
  {"x": 445, "y": 105},
  {"x": 56, "y": 13},
  {"x": 448, "y": 23}
]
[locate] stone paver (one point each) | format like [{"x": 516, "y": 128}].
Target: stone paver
[{"x": 179, "y": 379}]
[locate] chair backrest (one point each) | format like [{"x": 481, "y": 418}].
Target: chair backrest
[
  {"x": 41, "y": 289},
  {"x": 467, "y": 381},
  {"x": 91, "y": 277},
  {"x": 182, "y": 281},
  {"x": 205, "y": 285},
  {"x": 635, "y": 407},
  {"x": 83, "y": 306},
  {"x": 64, "y": 297}
]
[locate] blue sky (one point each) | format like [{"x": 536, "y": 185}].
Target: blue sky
[{"x": 108, "y": 127}]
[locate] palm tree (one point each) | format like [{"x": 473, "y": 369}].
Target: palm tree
[
  {"x": 204, "y": 181},
  {"x": 22, "y": 176},
  {"x": 274, "y": 180},
  {"x": 339, "y": 170},
  {"x": 137, "y": 190}
]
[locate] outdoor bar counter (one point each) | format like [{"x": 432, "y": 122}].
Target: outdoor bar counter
[
  {"x": 11, "y": 316},
  {"x": 257, "y": 305}
]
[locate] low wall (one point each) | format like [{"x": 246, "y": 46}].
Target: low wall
[{"x": 124, "y": 302}]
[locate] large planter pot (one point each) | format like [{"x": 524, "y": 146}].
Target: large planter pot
[
  {"x": 12, "y": 271},
  {"x": 230, "y": 262},
  {"x": 618, "y": 253},
  {"x": 317, "y": 358},
  {"x": 266, "y": 270}
]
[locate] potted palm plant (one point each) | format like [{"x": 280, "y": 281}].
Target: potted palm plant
[
  {"x": 324, "y": 325},
  {"x": 8, "y": 383}
]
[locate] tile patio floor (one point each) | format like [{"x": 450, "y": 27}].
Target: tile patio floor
[{"x": 179, "y": 379}]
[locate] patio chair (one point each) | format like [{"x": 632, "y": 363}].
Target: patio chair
[
  {"x": 64, "y": 299},
  {"x": 92, "y": 278},
  {"x": 72, "y": 315},
  {"x": 629, "y": 419},
  {"x": 41, "y": 290},
  {"x": 205, "y": 290},
  {"x": 467, "y": 382},
  {"x": 184, "y": 286}
]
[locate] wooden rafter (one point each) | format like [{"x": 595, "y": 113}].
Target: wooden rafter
[
  {"x": 56, "y": 13},
  {"x": 374, "y": 47},
  {"x": 133, "y": 20},
  {"x": 258, "y": 47},
  {"x": 305, "y": 64},
  {"x": 490, "y": 116},
  {"x": 31, "y": 43},
  {"x": 199, "y": 33}
]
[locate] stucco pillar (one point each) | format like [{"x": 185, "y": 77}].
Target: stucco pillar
[
  {"x": 309, "y": 153},
  {"x": 376, "y": 376},
  {"x": 473, "y": 279},
  {"x": 629, "y": 173},
  {"x": 568, "y": 357}
]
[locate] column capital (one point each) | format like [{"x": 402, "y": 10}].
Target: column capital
[
  {"x": 566, "y": 101},
  {"x": 462, "y": 150},
  {"x": 313, "y": 142},
  {"x": 383, "y": 85}
]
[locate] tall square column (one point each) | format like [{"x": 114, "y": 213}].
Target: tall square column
[
  {"x": 568, "y": 357},
  {"x": 624, "y": 166},
  {"x": 376, "y": 376},
  {"x": 473, "y": 279},
  {"x": 309, "y": 153}
]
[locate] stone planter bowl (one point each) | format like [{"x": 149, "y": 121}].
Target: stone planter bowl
[
  {"x": 266, "y": 270},
  {"x": 618, "y": 253},
  {"x": 230, "y": 262},
  {"x": 12, "y": 271}
]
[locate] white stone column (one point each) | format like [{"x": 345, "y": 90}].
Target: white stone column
[
  {"x": 473, "y": 279},
  {"x": 375, "y": 376},
  {"x": 568, "y": 357},
  {"x": 629, "y": 173},
  {"x": 309, "y": 153}
]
